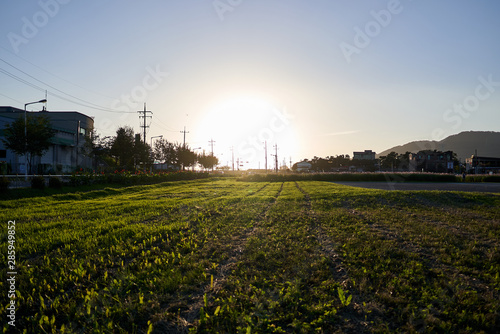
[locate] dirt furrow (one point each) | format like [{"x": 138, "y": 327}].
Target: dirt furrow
[
  {"x": 356, "y": 319},
  {"x": 428, "y": 257},
  {"x": 187, "y": 317}
]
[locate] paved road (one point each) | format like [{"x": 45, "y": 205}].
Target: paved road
[{"x": 457, "y": 186}]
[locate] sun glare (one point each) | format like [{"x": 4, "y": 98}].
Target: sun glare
[{"x": 242, "y": 127}]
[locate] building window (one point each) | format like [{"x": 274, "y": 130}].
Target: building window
[
  {"x": 83, "y": 131},
  {"x": 3, "y": 154}
]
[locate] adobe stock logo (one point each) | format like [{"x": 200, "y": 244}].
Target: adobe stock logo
[
  {"x": 253, "y": 144},
  {"x": 223, "y": 6},
  {"x": 373, "y": 28},
  {"x": 31, "y": 27},
  {"x": 129, "y": 103},
  {"x": 470, "y": 104}
]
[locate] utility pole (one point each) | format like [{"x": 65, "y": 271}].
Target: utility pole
[
  {"x": 276, "y": 157},
  {"x": 211, "y": 142},
  {"x": 265, "y": 150},
  {"x": 276, "y": 147},
  {"x": 144, "y": 127},
  {"x": 77, "y": 138},
  {"x": 232, "y": 155},
  {"x": 184, "y": 132}
]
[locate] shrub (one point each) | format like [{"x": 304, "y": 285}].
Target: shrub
[
  {"x": 55, "y": 182},
  {"x": 482, "y": 178},
  {"x": 38, "y": 182},
  {"x": 4, "y": 183},
  {"x": 491, "y": 178}
]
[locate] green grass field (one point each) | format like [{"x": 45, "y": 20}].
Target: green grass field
[{"x": 254, "y": 257}]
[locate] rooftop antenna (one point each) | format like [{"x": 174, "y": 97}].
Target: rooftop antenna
[{"x": 45, "y": 105}]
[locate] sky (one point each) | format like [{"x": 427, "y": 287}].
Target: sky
[{"x": 302, "y": 78}]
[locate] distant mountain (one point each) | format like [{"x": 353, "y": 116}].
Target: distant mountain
[{"x": 464, "y": 144}]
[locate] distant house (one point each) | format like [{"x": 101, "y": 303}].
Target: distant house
[
  {"x": 366, "y": 155},
  {"x": 65, "y": 152},
  {"x": 303, "y": 166},
  {"x": 482, "y": 165},
  {"x": 431, "y": 161}
]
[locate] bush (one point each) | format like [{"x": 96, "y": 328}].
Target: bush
[
  {"x": 482, "y": 178},
  {"x": 38, "y": 182},
  {"x": 4, "y": 183},
  {"x": 492, "y": 178},
  {"x": 55, "y": 182}
]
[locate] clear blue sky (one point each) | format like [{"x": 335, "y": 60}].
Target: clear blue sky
[{"x": 318, "y": 77}]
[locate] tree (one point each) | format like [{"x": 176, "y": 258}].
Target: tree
[
  {"x": 122, "y": 148},
  {"x": 390, "y": 161},
  {"x": 340, "y": 161},
  {"x": 98, "y": 149},
  {"x": 36, "y": 142},
  {"x": 320, "y": 165},
  {"x": 165, "y": 152},
  {"x": 405, "y": 160},
  {"x": 142, "y": 152},
  {"x": 185, "y": 157},
  {"x": 207, "y": 161}
]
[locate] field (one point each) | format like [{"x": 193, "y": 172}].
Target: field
[{"x": 227, "y": 256}]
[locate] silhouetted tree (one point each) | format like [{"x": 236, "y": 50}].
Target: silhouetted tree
[
  {"x": 123, "y": 147},
  {"x": 390, "y": 161},
  {"x": 165, "y": 152},
  {"x": 320, "y": 164},
  {"x": 98, "y": 149},
  {"x": 404, "y": 160},
  {"x": 142, "y": 153},
  {"x": 185, "y": 157}
]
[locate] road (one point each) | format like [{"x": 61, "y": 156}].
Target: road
[{"x": 456, "y": 186}]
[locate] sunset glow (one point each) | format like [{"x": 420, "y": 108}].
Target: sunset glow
[{"x": 246, "y": 124}]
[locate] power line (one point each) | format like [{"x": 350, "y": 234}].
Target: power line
[
  {"x": 13, "y": 76},
  {"x": 54, "y": 75},
  {"x": 83, "y": 103},
  {"x": 164, "y": 125},
  {"x": 46, "y": 84},
  {"x": 11, "y": 98},
  {"x": 161, "y": 126}
]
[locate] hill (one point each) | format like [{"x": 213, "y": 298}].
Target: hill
[{"x": 464, "y": 144}]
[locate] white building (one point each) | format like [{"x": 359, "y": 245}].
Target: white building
[
  {"x": 303, "y": 166},
  {"x": 65, "y": 153}
]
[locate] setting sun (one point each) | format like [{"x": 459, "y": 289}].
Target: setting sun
[{"x": 246, "y": 124}]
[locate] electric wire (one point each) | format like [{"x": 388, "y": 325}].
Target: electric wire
[
  {"x": 54, "y": 75},
  {"x": 83, "y": 103},
  {"x": 10, "y": 98}
]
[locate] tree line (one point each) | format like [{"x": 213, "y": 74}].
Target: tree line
[
  {"x": 127, "y": 151},
  {"x": 390, "y": 162}
]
